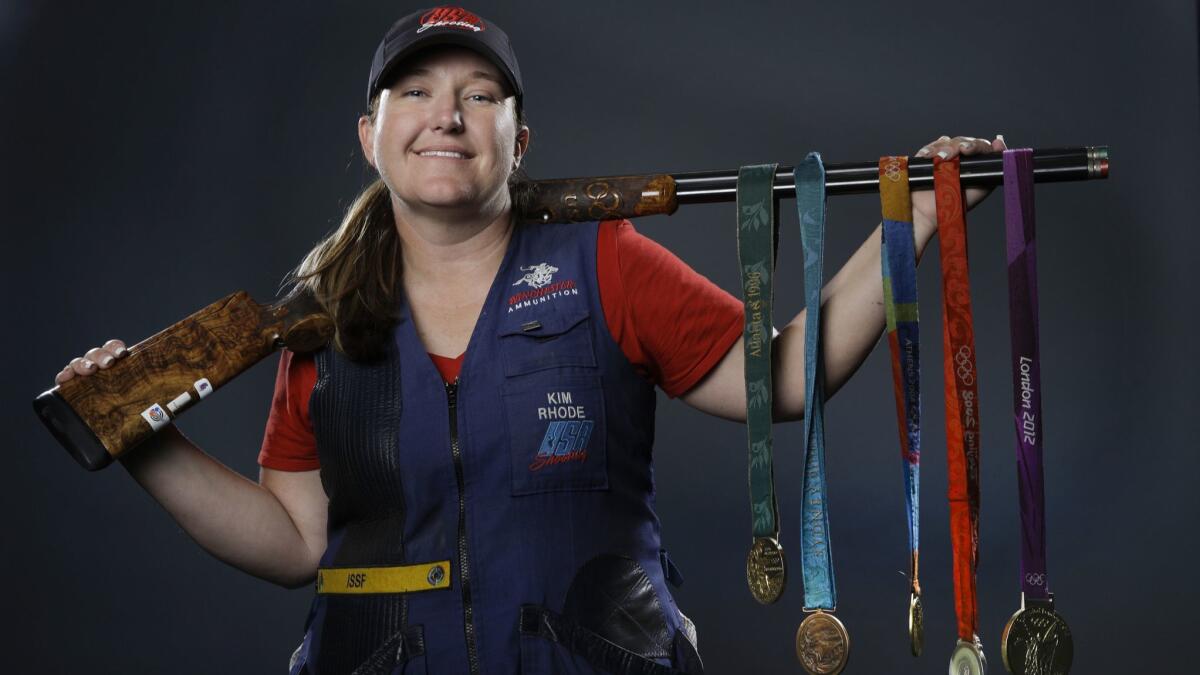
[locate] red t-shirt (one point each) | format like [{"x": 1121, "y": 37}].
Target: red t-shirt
[{"x": 673, "y": 324}]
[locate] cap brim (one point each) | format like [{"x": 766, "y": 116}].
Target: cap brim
[{"x": 457, "y": 39}]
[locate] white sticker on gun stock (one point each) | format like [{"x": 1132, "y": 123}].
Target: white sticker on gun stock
[
  {"x": 203, "y": 387},
  {"x": 156, "y": 417},
  {"x": 180, "y": 401}
]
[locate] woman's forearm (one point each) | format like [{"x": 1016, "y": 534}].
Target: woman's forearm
[
  {"x": 852, "y": 313},
  {"x": 852, "y": 319},
  {"x": 233, "y": 518}
]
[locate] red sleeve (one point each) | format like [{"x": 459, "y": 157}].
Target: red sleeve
[
  {"x": 671, "y": 322},
  {"x": 288, "y": 442}
]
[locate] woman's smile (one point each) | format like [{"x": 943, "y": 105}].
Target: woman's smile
[{"x": 444, "y": 152}]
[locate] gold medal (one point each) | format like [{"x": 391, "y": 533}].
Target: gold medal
[
  {"x": 916, "y": 624},
  {"x": 968, "y": 659},
  {"x": 1038, "y": 641},
  {"x": 765, "y": 570},
  {"x": 822, "y": 644}
]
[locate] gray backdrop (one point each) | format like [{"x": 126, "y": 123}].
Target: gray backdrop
[{"x": 157, "y": 156}]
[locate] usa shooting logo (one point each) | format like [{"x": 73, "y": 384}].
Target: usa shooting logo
[{"x": 567, "y": 436}]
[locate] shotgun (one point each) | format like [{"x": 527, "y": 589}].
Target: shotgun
[{"x": 99, "y": 417}]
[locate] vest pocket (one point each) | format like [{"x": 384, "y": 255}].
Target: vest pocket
[
  {"x": 550, "y": 339},
  {"x": 553, "y": 644},
  {"x": 556, "y": 432}
]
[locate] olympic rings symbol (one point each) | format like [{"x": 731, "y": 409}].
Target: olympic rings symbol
[
  {"x": 1035, "y": 579},
  {"x": 966, "y": 368},
  {"x": 891, "y": 169}
]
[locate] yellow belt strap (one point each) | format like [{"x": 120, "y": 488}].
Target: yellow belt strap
[{"x": 401, "y": 579}]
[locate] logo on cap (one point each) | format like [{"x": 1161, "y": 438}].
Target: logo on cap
[{"x": 456, "y": 17}]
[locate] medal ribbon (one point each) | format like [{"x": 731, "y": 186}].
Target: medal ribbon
[
  {"x": 962, "y": 393},
  {"x": 1026, "y": 367},
  {"x": 899, "y": 260},
  {"x": 758, "y": 231},
  {"x": 816, "y": 556}
]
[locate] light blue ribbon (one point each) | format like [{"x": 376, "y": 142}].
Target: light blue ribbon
[{"x": 816, "y": 555}]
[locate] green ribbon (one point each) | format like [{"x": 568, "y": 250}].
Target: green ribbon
[{"x": 758, "y": 232}]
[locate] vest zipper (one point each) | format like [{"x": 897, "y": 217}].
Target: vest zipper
[{"x": 464, "y": 569}]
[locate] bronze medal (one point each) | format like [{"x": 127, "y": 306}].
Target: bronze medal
[
  {"x": 968, "y": 659},
  {"x": 1037, "y": 641},
  {"x": 822, "y": 644},
  {"x": 765, "y": 570},
  {"x": 916, "y": 624}
]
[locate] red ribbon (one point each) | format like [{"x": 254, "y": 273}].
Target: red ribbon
[{"x": 962, "y": 393}]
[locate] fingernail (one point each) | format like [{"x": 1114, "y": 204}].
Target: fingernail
[
  {"x": 120, "y": 351},
  {"x": 106, "y": 361},
  {"x": 944, "y": 138},
  {"x": 1001, "y": 137},
  {"x": 964, "y": 145},
  {"x": 923, "y": 152},
  {"x": 943, "y": 154},
  {"x": 87, "y": 363}
]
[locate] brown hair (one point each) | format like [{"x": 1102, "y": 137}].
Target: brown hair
[{"x": 354, "y": 273}]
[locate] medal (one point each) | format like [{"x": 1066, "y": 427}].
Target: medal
[
  {"x": 962, "y": 411},
  {"x": 968, "y": 659},
  {"x": 899, "y": 262},
  {"x": 765, "y": 570},
  {"x": 757, "y": 233},
  {"x": 916, "y": 624},
  {"x": 822, "y": 644},
  {"x": 1036, "y": 639}
]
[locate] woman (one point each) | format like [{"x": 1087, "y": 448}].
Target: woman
[{"x": 466, "y": 471}]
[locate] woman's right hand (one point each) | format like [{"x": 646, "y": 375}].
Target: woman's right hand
[
  {"x": 274, "y": 530},
  {"x": 96, "y": 357}
]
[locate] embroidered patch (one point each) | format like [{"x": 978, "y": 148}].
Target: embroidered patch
[
  {"x": 537, "y": 276},
  {"x": 557, "y": 432},
  {"x": 451, "y": 17},
  {"x": 564, "y": 442}
]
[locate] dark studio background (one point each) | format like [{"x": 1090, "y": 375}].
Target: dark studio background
[{"x": 157, "y": 156}]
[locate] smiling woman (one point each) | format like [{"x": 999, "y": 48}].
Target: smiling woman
[
  {"x": 446, "y": 133},
  {"x": 445, "y": 136},
  {"x": 466, "y": 471}
]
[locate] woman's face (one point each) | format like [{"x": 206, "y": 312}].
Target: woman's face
[{"x": 445, "y": 136}]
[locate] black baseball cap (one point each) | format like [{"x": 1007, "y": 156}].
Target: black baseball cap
[{"x": 444, "y": 26}]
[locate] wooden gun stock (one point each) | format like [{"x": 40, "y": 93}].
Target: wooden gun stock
[
  {"x": 573, "y": 200},
  {"x": 98, "y": 417}
]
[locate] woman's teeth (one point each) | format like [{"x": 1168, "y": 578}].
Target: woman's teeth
[{"x": 443, "y": 153}]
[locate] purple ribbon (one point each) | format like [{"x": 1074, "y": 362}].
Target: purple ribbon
[{"x": 1026, "y": 368}]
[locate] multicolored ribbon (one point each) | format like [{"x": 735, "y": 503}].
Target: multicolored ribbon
[
  {"x": 899, "y": 261},
  {"x": 1026, "y": 367},
  {"x": 816, "y": 555},
  {"x": 962, "y": 393},
  {"x": 758, "y": 232}
]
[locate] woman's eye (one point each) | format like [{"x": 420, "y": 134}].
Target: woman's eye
[
  {"x": 414, "y": 92},
  {"x": 482, "y": 97}
]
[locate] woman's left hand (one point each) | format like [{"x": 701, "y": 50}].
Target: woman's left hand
[{"x": 923, "y": 205}]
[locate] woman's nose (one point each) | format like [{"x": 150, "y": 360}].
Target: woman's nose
[{"x": 447, "y": 116}]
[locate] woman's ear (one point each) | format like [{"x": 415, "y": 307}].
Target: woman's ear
[
  {"x": 520, "y": 147},
  {"x": 366, "y": 138}
]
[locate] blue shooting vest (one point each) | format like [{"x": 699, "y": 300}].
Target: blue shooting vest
[{"x": 532, "y": 476}]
